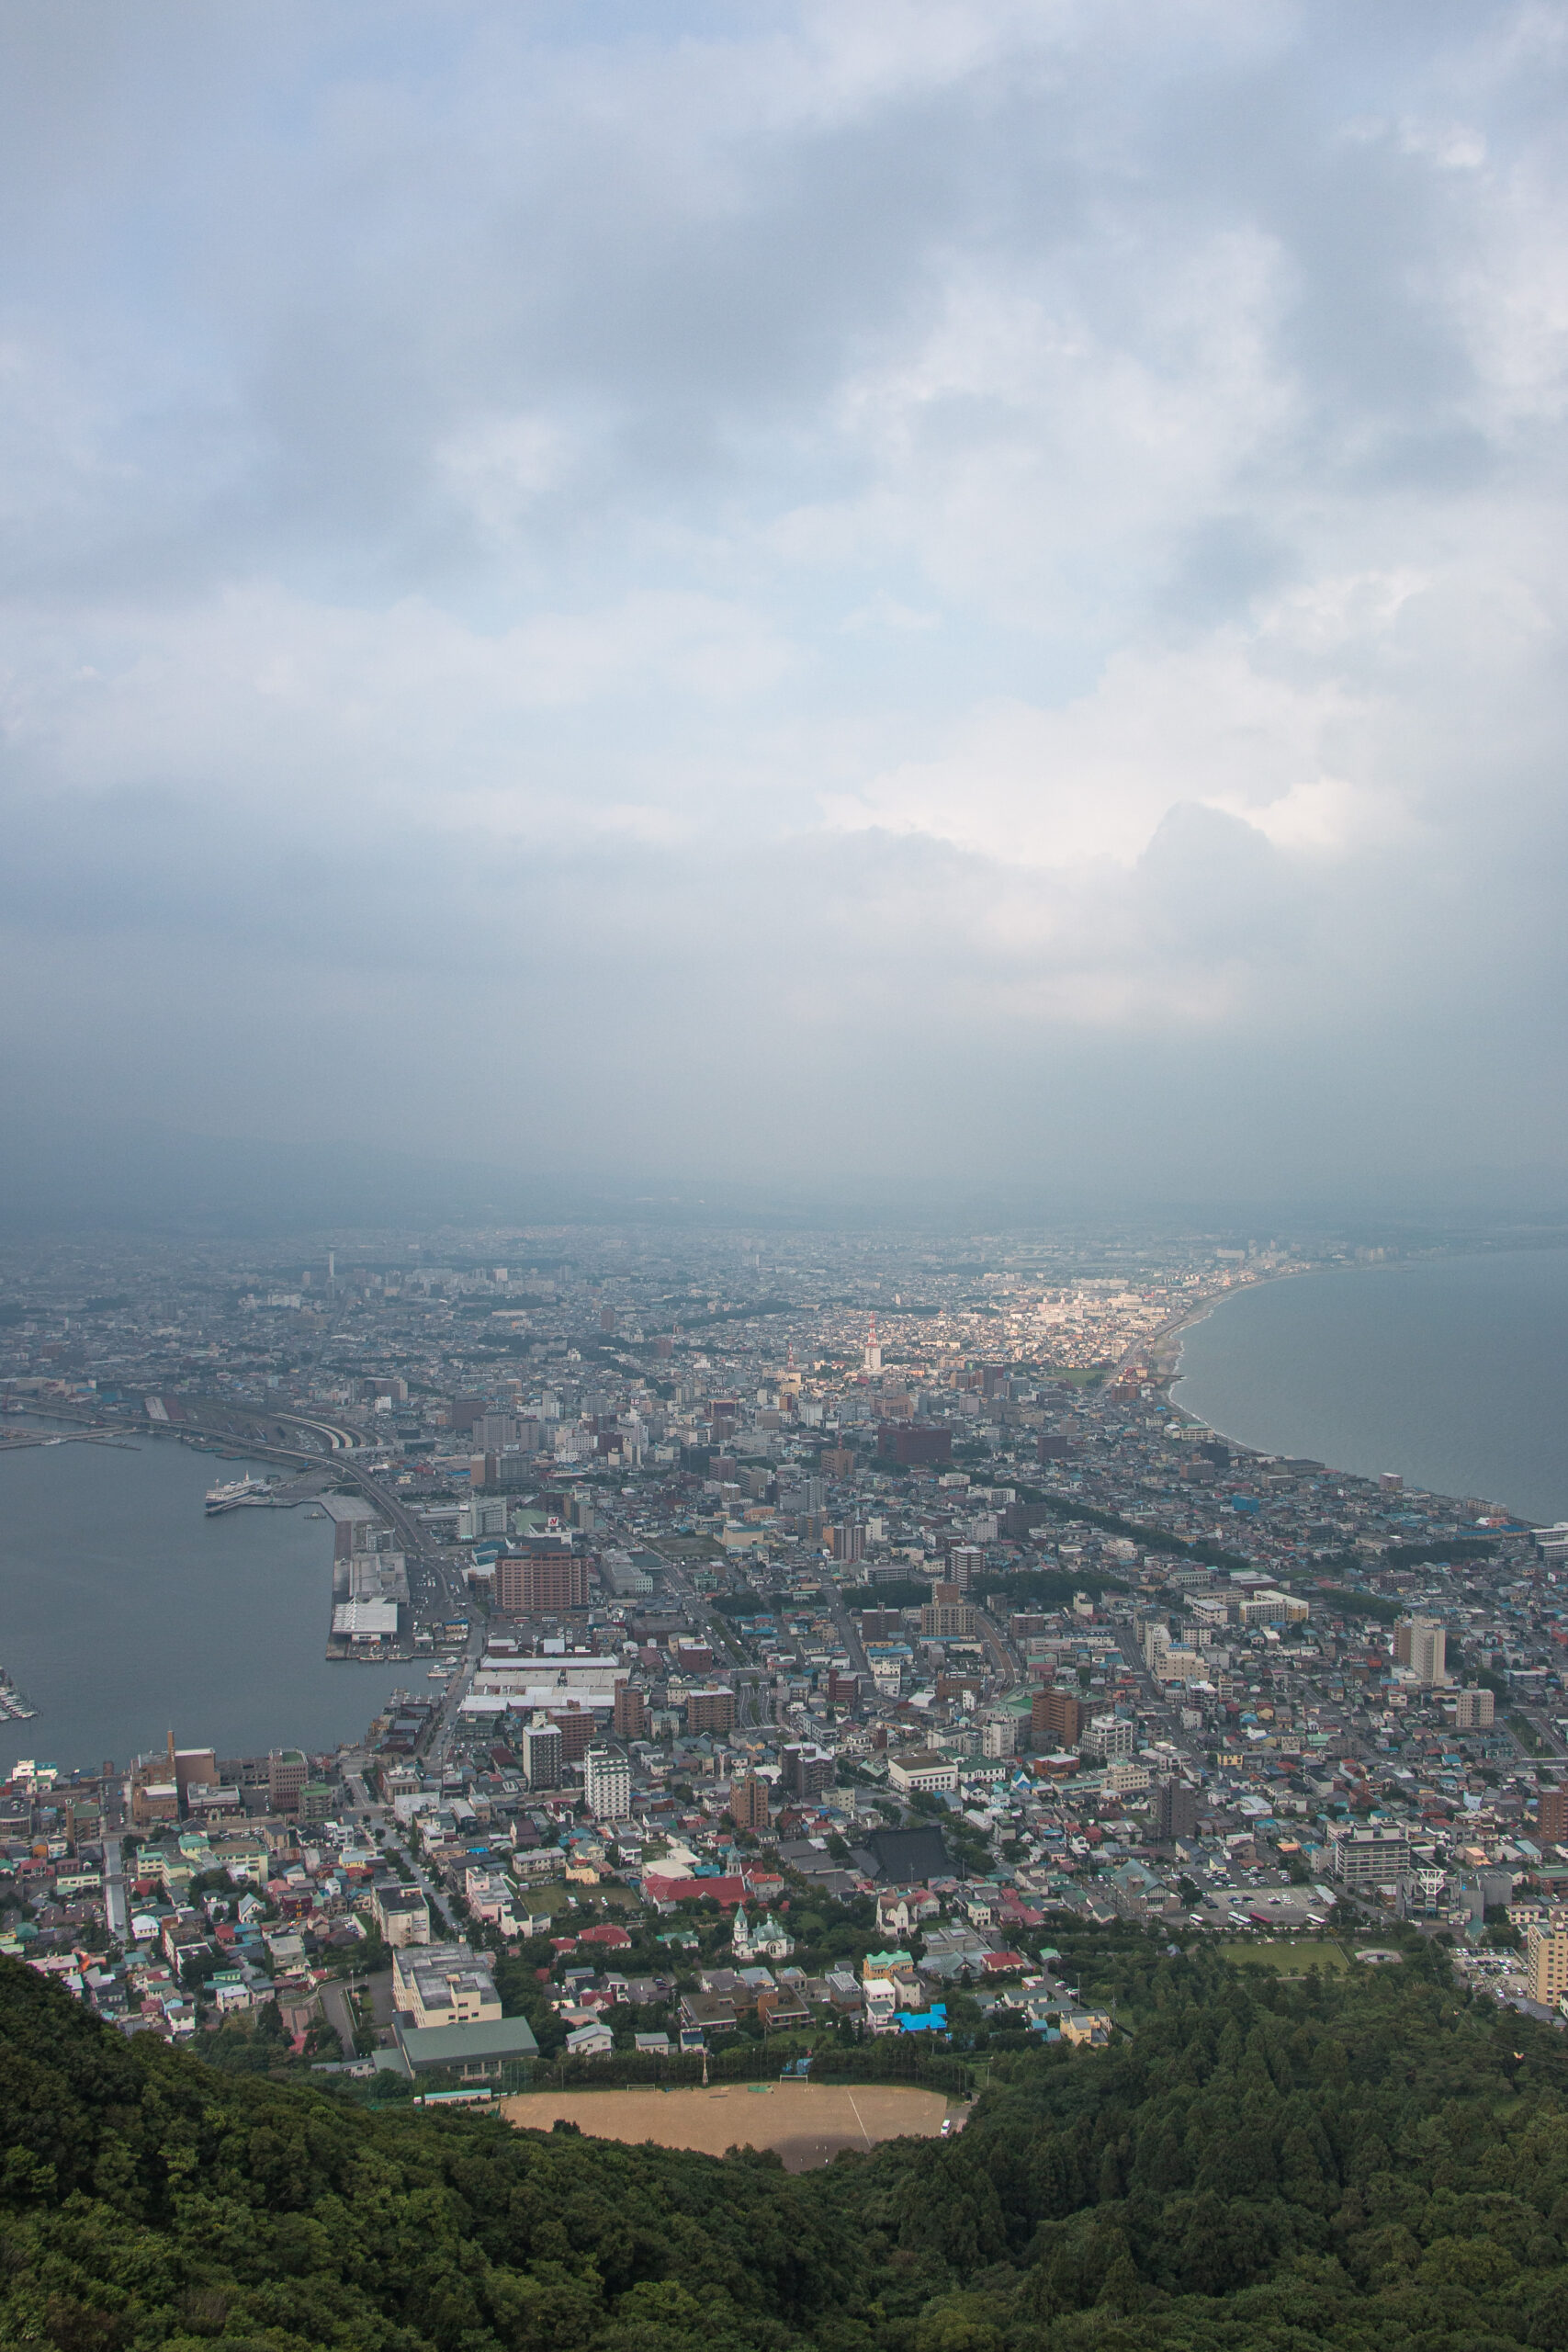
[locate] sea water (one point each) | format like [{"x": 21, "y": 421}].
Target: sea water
[
  {"x": 1453, "y": 1370},
  {"x": 126, "y": 1613}
]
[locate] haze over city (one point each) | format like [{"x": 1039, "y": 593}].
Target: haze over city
[{"x": 836, "y": 595}]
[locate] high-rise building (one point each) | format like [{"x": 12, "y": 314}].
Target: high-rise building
[
  {"x": 1367, "y": 1857},
  {"x": 964, "y": 1563},
  {"x": 192, "y": 1768},
  {"x": 1108, "y": 1736},
  {"x": 1476, "y": 1709},
  {"x": 807, "y": 1769},
  {"x": 630, "y": 1716},
  {"x": 946, "y": 1616},
  {"x": 1554, "y": 1815},
  {"x": 1421, "y": 1643},
  {"x": 607, "y": 1782},
  {"x": 542, "y": 1754},
  {"x": 849, "y": 1541},
  {"x": 546, "y": 1578},
  {"x": 1055, "y": 1719},
  {"x": 998, "y": 1738},
  {"x": 749, "y": 1801},
  {"x": 710, "y": 1710},
  {"x": 871, "y": 1361},
  {"x": 579, "y": 1727},
  {"x": 1174, "y": 1810},
  {"x": 1545, "y": 1964},
  {"x": 919, "y": 1444},
  {"x": 287, "y": 1773}
]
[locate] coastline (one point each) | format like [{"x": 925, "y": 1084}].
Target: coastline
[
  {"x": 128, "y": 1612},
  {"x": 1165, "y": 1351},
  {"x": 1452, "y": 1377}
]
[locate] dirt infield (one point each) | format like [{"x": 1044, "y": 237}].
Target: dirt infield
[{"x": 806, "y": 2123}]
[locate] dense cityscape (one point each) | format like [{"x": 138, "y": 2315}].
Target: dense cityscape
[{"x": 808, "y": 1644}]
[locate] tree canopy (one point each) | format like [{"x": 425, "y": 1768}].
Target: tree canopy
[{"x": 1366, "y": 2162}]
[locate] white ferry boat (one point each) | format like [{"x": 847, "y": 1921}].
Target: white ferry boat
[{"x": 237, "y": 1495}]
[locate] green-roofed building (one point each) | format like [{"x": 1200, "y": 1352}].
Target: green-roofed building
[{"x": 476, "y": 2054}]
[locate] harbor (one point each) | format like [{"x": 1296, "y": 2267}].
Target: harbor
[
  {"x": 261, "y": 1494},
  {"x": 12, "y": 1705},
  {"x": 122, "y": 1600}
]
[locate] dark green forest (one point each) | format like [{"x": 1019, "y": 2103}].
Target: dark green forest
[{"x": 1373, "y": 2160}]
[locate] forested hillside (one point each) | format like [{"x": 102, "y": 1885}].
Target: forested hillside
[{"x": 1371, "y": 2161}]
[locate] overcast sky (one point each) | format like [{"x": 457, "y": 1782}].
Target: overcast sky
[{"x": 759, "y": 589}]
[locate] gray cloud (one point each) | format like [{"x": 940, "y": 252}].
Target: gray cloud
[{"x": 805, "y": 592}]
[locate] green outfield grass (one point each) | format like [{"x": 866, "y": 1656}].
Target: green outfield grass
[{"x": 1291, "y": 1956}]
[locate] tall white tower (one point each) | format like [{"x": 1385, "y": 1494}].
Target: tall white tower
[{"x": 872, "y": 1349}]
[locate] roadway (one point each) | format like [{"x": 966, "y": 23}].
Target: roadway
[
  {"x": 448, "y": 1714},
  {"x": 433, "y": 1893},
  {"x": 116, "y": 1913},
  {"x": 338, "y": 2010},
  {"x": 1003, "y": 1656}
]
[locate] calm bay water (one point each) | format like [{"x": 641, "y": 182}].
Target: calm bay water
[
  {"x": 125, "y": 1612},
  {"x": 1453, "y": 1372}
]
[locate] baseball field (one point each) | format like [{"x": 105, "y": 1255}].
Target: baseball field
[{"x": 807, "y": 2124}]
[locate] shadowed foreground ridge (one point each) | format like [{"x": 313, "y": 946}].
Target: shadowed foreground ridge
[{"x": 1368, "y": 2162}]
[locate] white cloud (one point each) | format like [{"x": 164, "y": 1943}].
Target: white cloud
[{"x": 1008, "y": 522}]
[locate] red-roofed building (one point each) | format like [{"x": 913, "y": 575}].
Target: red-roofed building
[{"x": 727, "y": 1891}]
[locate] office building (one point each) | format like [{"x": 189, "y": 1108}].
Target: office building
[
  {"x": 1367, "y": 1857},
  {"x": 946, "y": 1616},
  {"x": 1173, "y": 1809},
  {"x": 1108, "y": 1737},
  {"x": 579, "y": 1726},
  {"x": 542, "y": 1755},
  {"x": 1546, "y": 1963},
  {"x": 630, "y": 1714},
  {"x": 445, "y": 1984},
  {"x": 544, "y": 1578},
  {"x": 916, "y": 1444},
  {"x": 191, "y": 1768},
  {"x": 1421, "y": 1643},
  {"x": 710, "y": 1710},
  {"x": 807, "y": 1769},
  {"x": 287, "y": 1773},
  {"x": 1055, "y": 1719},
  {"x": 1553, "y": 1820},
  {"x": 965, "y": 1564},
  {"x": 749, "y": 1802},
  {"x": 400, "y": 1912},
  {"x": 607, "y": 1783}
]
